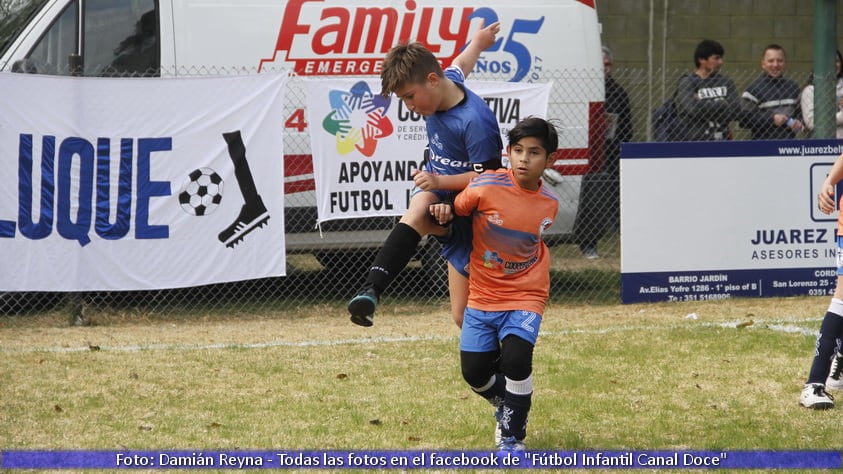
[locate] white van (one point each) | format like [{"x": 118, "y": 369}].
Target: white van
[{"x": 540, "y": 41}]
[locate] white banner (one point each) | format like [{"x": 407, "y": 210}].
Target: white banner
[
  {"x": 366, "y": 147},
  {"x": 128, "y": 184}
]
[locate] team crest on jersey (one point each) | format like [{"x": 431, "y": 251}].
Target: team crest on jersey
[
  {"x": 436, "y": 141},
  {"x": 546, "y": 222},
  {"x": 495, "y": 219},
  {"x": 492, "y": 260}
]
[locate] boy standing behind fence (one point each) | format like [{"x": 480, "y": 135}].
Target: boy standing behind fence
[
  {"x": 510, "y": 275},
  {"x": 463, "y": 140}
]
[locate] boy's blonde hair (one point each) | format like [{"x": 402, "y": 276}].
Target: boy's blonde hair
[{"x": 407, "y": 63}]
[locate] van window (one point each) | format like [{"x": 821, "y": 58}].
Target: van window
[
  {"x": 120, "y": 39},
  {"x": 13, "y": 18},
  {"x": 51, "y": 54}
]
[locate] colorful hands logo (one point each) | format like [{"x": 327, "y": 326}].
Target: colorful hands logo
[
  {"x": 358, "y": 119},
  {"x": 492, "y": 260}
]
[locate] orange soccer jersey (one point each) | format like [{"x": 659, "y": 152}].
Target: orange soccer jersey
[{"x": 510, "y": 264}]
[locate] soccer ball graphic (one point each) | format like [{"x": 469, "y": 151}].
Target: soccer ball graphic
[{"x": 201, "y": 193}]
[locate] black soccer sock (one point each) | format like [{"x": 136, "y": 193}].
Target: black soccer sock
[
  {"x": 397, "y": 250},
  {"x": 495, "y": 392},
  {"x": 478, "y": 371},
  {"x": 237, "y": 152},
  {"x": 828, "y": 341},
  {"x": 516, "y": 408}
]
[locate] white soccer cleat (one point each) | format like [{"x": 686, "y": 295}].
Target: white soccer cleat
[
  {"x": 814, "y": 396},
  {"x": 835, "y": 376}
]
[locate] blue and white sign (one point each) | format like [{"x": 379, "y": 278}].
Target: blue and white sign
[
  {"x": 128, "y": 184},
  {"x": 714, "y": 220}
]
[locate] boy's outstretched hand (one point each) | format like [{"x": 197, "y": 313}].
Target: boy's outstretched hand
[
  {"x": 485, "y": 36},
  {"x": 425, "y": 181},
  {"x": 481, "y": 40},
  {"x": 442, "y": 212}
]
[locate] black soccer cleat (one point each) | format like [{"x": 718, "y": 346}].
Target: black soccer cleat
[
  {"x": 362, "y": 307},
  {"x": 252, "y": 216}
]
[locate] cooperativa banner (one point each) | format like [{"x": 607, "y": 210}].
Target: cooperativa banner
[
  {"x": 366, "y": 146},
  {"x": 128, "y": 184}
]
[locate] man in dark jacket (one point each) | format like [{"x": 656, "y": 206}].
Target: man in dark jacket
[
  {"x": 769, "y": 104},
  {"x": 706, "y": 101}
]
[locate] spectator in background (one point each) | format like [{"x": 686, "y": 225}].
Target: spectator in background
[
  {"x": 706, "y": 101},
  {"x": 138, "y": 55},
  {"x": 769, "y": 104},
  {"x": 599, "y": 194},
  {"x": 807, "y": 99}
]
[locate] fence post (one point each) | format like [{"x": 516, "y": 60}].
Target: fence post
[{"x": 825, "y": 80}]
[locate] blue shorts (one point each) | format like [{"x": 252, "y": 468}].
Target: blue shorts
[
  {"x": 456, "y": 244},
  {"x": 482, "y": 331},
  {"x": 840, "y": 255}
]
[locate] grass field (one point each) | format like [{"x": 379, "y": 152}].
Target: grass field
[{"x": 686, "y": 376}]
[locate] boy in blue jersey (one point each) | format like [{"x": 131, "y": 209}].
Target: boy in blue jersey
[{"x": 463, "y": 140}]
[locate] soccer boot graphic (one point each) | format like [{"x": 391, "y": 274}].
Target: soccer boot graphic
[
  {"x": 253, "y": 213},
  {"x": 252, "y": 216}
]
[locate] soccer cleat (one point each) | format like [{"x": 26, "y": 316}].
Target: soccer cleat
[
  {"x": 510, "y": 444},
  {"x": 252, "y": 216},
  {"x": 814, "y": 396},
  {"x": 498, "y": 416},
  {"x": 362, "y": 307},
  {"x": 834, "y": 380}
]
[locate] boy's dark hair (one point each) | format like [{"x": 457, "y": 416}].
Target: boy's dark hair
[
  {"x": 407, "y": 63},
  {"x": 538, "y": 128},
  {"x": 707, "y": 48}
]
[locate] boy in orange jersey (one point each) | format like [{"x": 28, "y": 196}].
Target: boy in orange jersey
[{"x": 509, "y": 277}]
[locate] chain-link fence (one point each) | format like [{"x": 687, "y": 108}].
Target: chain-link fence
[{"x": 329, "y": 264}]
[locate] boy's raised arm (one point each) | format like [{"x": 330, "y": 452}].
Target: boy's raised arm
[{"x": 480, "y": 41}]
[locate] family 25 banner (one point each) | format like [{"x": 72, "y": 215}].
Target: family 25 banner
[
  {"x": 129, "y": 184},
  {"x": 367, "y": 146}
]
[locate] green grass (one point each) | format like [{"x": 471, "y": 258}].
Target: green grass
[{"x": 607, "y": 377}]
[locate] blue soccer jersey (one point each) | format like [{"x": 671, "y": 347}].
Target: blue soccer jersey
[
  {"x": 462, "y": 135},
  {"x": 466, "y": 133}
]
